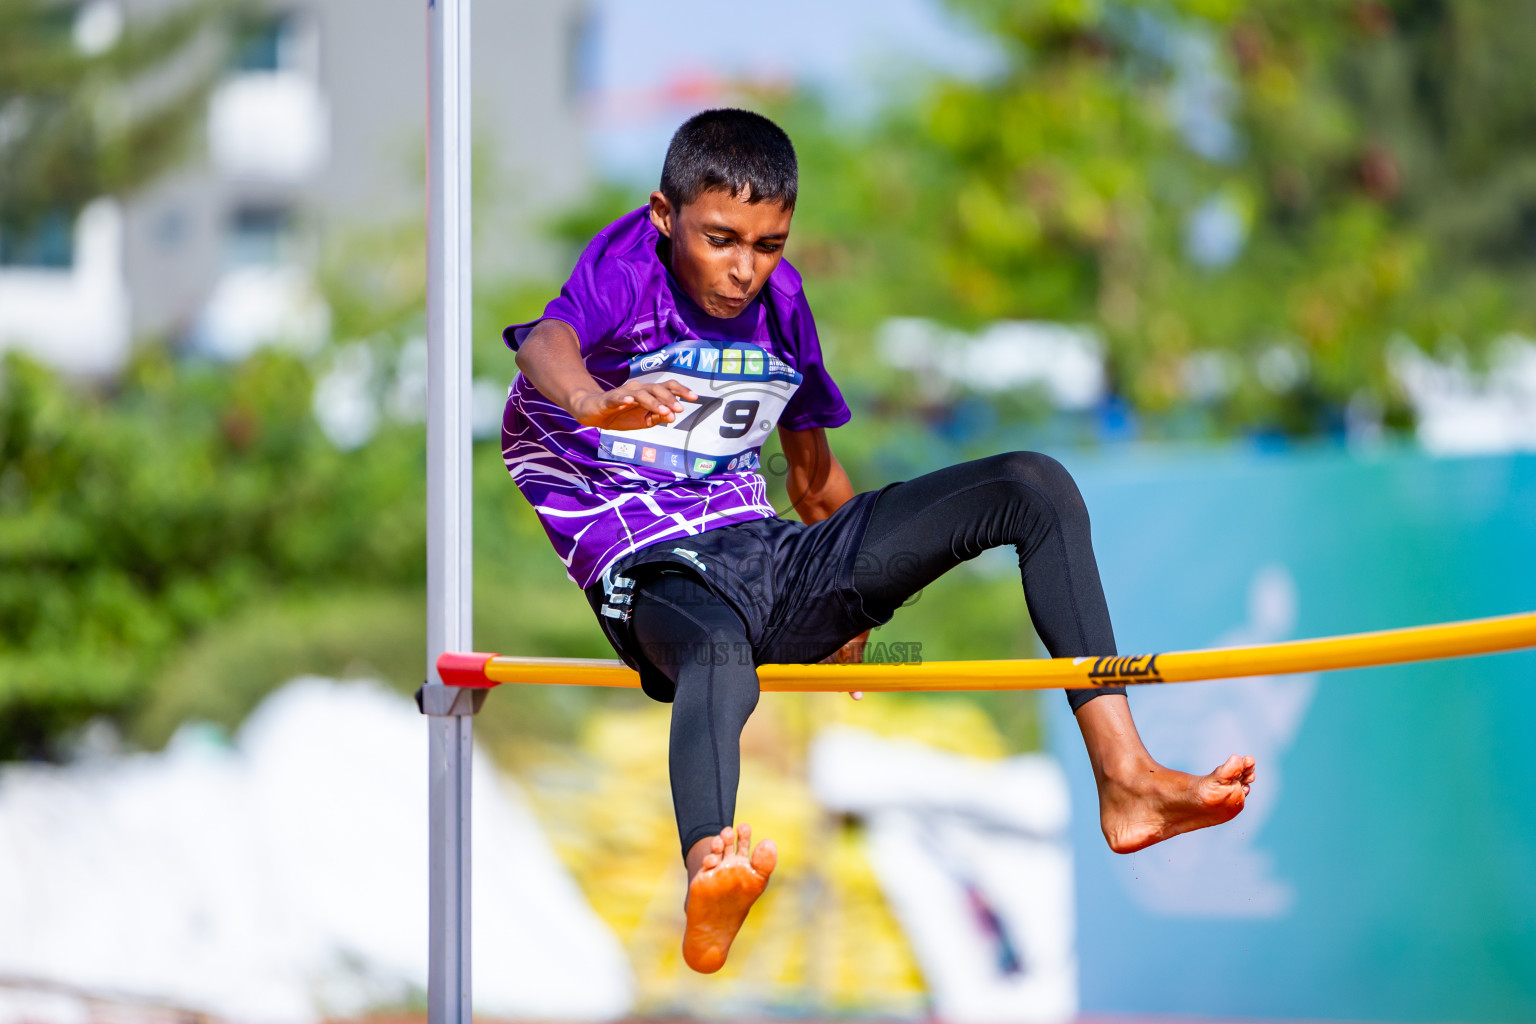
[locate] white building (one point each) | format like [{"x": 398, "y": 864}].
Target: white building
[{"x": 317, "y": 129}]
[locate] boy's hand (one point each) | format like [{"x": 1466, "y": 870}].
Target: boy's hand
[
  {"x": 851, "y": 653},
  {"x": 550, "y": 357},
  {"x": 632, "y": 406}
]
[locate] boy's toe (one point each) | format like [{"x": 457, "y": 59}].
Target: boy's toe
[{"x": 766, "y": 857}]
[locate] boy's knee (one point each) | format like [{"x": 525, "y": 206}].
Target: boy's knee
[{"x": 1044, "y": 475}]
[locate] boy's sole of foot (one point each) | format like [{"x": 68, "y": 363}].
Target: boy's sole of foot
[
  {"x": 1160, "y": 804},
  {"x": 733, "y": 876}
]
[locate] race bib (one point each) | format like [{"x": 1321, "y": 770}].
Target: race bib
[{"x": 742, "y": 390}]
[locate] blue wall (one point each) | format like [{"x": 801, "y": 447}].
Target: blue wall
[{"x": 1385, "y": 868}]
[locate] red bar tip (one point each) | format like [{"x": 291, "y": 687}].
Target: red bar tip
[{"x": 467, "y": 669}]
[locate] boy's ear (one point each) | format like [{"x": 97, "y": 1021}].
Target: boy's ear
[{"x": 661, "y": 213}]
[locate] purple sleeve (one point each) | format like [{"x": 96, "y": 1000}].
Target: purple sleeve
[
  {"x": 818, "y": 402},
  {"x": 591, "y": 301}
]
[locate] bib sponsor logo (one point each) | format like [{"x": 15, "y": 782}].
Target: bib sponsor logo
[
  {"x": 696, "y": 358},
  {"x": 741, "y": 390}
]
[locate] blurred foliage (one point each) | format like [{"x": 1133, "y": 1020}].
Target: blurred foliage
[
  {"x": 1249, "y": 199},
  {"x": 77, "y": 123},
  {"x": 1269, "y": 191},
  {"x": 1285, "y": 188},
  {"x": 180, "y": 546},
  {"x": 131, "y": 521}
]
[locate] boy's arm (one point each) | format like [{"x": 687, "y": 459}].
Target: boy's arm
[
  {"x": 550, "y": 357},
  {"x": 818, "y": 486},
  {"x": 816, "y": 482}
]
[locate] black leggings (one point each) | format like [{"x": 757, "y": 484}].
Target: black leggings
[{"x": 919, "y": 530}]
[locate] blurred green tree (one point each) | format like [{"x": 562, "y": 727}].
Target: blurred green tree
[
  {"x": 91, "y": 105},
  {"x": 1250, "y": 200},
  {"x": 1268, "y": 193},
  {"x": 131, "y": 522}
]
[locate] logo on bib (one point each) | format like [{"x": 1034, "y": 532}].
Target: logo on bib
[{"x": 740, "y": 391}]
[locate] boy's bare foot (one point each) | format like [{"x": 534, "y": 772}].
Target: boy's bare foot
[
  {"x": 1150, "y": 803},
  {"x": 723, "y": 885}
]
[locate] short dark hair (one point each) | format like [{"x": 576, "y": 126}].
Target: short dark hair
[{"x": 732, "y": 150}]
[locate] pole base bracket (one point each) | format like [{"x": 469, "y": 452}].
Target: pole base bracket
[{"x": 441, "y": 701}]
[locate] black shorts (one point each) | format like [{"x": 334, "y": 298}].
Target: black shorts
[{"x": 791, "y": 583}]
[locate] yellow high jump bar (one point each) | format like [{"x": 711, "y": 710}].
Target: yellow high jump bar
[{"x": 1357, "y": 650}]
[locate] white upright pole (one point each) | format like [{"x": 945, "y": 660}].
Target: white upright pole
[{"x": 448, "y": 506}]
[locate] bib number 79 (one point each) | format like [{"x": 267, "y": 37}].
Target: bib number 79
[{"x": 736, "y": 418}]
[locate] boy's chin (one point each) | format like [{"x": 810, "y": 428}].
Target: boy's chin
[{"x": 724, "y": 309}]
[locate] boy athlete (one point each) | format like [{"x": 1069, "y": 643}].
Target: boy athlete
[{"x": 647, "y": 389}]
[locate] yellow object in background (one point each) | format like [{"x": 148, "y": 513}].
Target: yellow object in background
[{"x": 822, "y": 940}]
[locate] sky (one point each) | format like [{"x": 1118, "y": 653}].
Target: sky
[{"x": 652, "y": 64}]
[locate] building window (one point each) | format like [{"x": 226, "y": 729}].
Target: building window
[
  {"x": 268, "y": 44},
  {"x": 260, "y": 236},
  {"x": 268, "y": 118},
  {"x": 49, "y": 243},
  {"x": 581, "y": 56},
  {"x": 170, "y": 228}
]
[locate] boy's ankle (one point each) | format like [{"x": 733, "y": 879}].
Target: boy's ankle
[{"x": 1128, "y": 770}]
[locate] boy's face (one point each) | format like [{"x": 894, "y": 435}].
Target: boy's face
[{"x": 723, "y": 247}]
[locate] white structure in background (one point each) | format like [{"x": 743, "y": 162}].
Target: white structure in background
[
  {"x": 98, "y": 26},
  {"x": 973, "y": 858},
  {"x": 280, "y": 878},
  {"x": 74, "y": 317},
  {"x": 269, "y": 128},
  {"x": 258, "y": 305},
  {"x": 315, "y": 131},
  {"x": 269, "y": 124},
  {"x": 1462, "y": 413},
  {"x": 344, "y": 403},
  {"x": 1067, "y": 361},
  {"x": 358, "y": 389}
]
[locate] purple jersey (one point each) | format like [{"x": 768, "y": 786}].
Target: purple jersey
[{"x": 604, "y": 493}]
